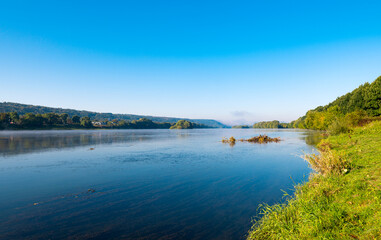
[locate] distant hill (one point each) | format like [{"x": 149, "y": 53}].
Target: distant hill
[{"x": 25, "y": 108}]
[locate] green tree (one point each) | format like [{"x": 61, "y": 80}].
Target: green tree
[
  {"x": 52, "y": 118},
  {"x": 270, "y": 124},
  {"x": 182, "y": 124},
  {"x": 86, "y": 122},
  {"x": 354, "y": 119},
  {"x": 31, "y": 120},
  {"x": 64, "y": 117},
  {"x": 76, "y": 119},
  {"x": 373, "y": 98},
  {"x": 5, "y": 120},
  {"x": 14, "y": 117}
]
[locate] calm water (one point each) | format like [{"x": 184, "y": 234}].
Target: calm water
[{"x": 142, "y": 184}]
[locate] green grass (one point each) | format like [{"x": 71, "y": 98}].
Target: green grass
[{"x": 333, "y": 204}]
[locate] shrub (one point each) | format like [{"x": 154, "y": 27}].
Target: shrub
[
  {"x": 259, "y": 139},
  {"x": 339, "y": 126},
  {"x": 355, "y": 118},
  {"x": 328, "y": 162}
]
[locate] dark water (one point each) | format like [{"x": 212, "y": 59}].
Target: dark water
[{"x": 142, "y": 184}]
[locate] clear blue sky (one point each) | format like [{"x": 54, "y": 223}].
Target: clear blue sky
[{"x": 234, "y": 61}]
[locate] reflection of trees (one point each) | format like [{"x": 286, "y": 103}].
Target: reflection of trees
[
  {"x": 19, "y": 143},
  {"x": 182, "y": 135},
  {"x": 38, "y": 141},
  {"x": 313, "y": 137}
]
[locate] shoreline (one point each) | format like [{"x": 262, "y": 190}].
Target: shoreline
[
  {"x": 345, "y": 204},
  {"x": 100, "y": 129}
]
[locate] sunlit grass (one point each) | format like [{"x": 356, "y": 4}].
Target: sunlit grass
[{"x": 334, "y": 203}]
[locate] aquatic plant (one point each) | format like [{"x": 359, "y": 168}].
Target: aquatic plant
[
  {"x": 231, "y": 141},
  {"x": 258, "y": 139},
  {"x": 261, "y": 139}
]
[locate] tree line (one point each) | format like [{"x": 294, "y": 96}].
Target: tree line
[
  {"x": 271, "y": 124},
  {"x": 241, "y": 126},
  {"x": 26, "y": 108},
  {"x": 355, "y": 108},
  {"x": 12, "y": 120}
]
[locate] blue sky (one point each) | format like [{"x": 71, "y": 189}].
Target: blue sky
[{"x": 234, "y": 61}]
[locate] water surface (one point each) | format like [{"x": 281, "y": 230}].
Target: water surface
[{"x": 142, "y": 184}]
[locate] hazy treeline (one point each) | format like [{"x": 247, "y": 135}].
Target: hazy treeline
[
  {"x": 12, "y": 120},
  {"x": 270, "y": 124},
  {"x": 241, "y": 126},
  {"x": 25, "y": 108}
]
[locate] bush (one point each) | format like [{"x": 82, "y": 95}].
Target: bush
[
  {"x": 339, "y": 126},
  {"x": 355, "y": 118},
  {"x": 182, "y": 124},
  {"x": 328, "y": 162}
]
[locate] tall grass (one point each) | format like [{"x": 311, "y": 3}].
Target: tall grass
[{"x": 328, "y": 162}]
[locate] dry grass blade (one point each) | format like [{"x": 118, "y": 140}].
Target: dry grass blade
[{"x": 327, "y": 162}]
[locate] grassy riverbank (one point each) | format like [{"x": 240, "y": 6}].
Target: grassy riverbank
[{"x": 342, "y": 201}]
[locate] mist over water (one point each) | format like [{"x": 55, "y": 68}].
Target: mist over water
[{"x": 143, "y": 184}]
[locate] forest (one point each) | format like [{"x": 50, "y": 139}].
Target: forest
[
  {"x": 23, "y": 109},
  {"x": 270, "y": 124},
  {"x": 241, "y": 126},
  {"x": 356, "y": 108},
  {"x": 12, "y": 120}
]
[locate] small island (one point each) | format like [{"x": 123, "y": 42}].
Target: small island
[
  {"x": 184, "y": 124},
  {"x": 258, "y": 139}
]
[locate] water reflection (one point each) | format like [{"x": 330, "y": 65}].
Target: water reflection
[
  {"x": 142, "y": 184},
  {"x": 313, "y": 137},
  {"x": 22, "y": 142}
]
